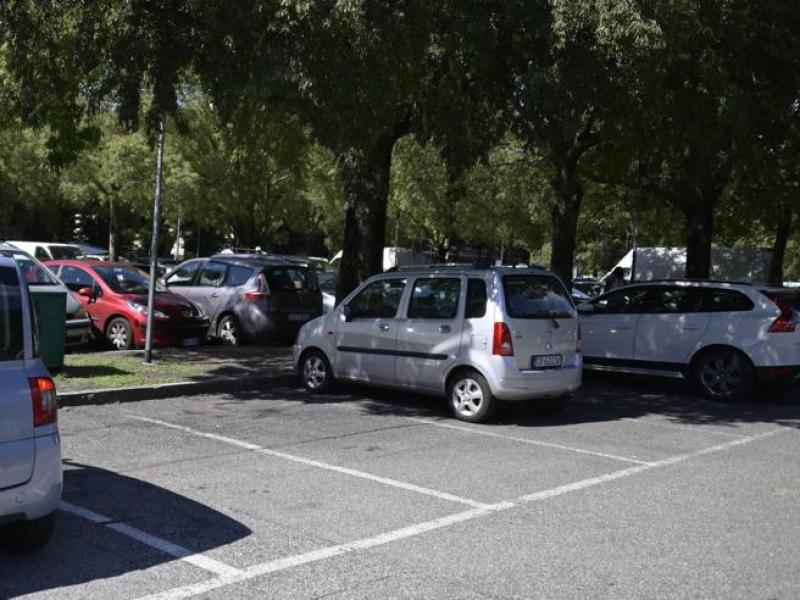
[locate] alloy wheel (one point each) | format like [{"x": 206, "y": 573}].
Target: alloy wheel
[{"x": 467, "y": 397}]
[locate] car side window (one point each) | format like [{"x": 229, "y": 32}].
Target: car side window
[
  {"x": 212, "y": 274},
  {"x": 620, "y": 302},
  {"x": 673, "y": 300},
  {"x": 435, "y": 298},
  {"x": 379, "y": 300},
  {"x": 476, "y": 299},
  {"x": 238, "y": 275},
  {"x": 41, "y": 253},
  {"x": 184, "y": 275},
  {"x": 75, "y": 278},
  {"x": 721, "y": 300}
]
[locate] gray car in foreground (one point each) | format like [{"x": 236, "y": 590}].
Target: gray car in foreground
[
  {"x": 250, "y": 298},
  {"x": 30, "y": 447}
]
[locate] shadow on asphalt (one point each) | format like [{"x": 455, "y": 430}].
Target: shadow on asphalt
[
  {"x": 603, "y": 397},
  {"x": 82, "y": 551}
]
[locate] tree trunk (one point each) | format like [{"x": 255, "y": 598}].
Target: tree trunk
[
  {"x": 565, "y": 219},
  {"x": 113, "y": 232},
  {"x": 365, "y": 173},
  {"x": 699, "y": 234},
  {"x": 779, "y": 251}
]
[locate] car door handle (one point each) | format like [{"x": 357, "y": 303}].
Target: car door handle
[
  {"x": 444, "y": 329},
  {"x": 383, "y": 327},
  {"x": 616, "y": 329},
  {"x": 215, "y": 295}
]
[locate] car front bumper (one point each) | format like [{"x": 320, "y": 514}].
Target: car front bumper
[{"x": 78, "y": 331}]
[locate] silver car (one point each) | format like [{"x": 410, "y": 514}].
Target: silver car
[
  {"x": 30, "y": 448},
  {"x": 473, "y": 335}
]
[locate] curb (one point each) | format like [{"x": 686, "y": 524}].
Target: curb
[{"x": 169, "y": 390}]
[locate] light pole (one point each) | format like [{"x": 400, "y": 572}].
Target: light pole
[{"x": 151, "y": 292}]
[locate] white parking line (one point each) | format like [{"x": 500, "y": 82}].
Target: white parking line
[
  {"x": 529, "y": 441},
  {"x": 289, "y": 562},
  {"x": 410, "y": 487},
  {"x": 692, "y": 428},
  {"x": 184, "y": 554}
]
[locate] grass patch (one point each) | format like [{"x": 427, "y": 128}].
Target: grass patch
[{"x": 100, "y": 371}]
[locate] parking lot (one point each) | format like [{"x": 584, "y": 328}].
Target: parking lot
[{"x": 637, "y": 491}]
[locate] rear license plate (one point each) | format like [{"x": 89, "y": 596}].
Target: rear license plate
[
  {"x": 546, "y": 361},
  {"x": 298, "y": 317},
  {"x": 188, "y": 342}
]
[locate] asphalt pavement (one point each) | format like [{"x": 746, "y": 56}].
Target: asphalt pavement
[{"x": 638, "y": 490}]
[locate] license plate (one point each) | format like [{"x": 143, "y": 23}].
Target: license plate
[
  {"x": 188, "y": 342},
  {"x": 546, "y": 361},
  {"x": 298, "y": 317}
]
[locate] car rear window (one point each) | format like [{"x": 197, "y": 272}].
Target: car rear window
[
  {"x": 290, "y": 279},
  {"x": 536, "y": 297},
  {"x": 12, "y": 337}
]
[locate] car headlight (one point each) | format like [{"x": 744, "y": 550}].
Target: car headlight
[{"x": 142, "y": 309}]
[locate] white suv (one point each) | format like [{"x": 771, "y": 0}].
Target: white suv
[
  {"x": 722, "y": 337},
  {"x": 30, "y": 448},
  {"x": 474, "y": 335}
]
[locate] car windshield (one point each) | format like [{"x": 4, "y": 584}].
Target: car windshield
[
  {"x": 12, "y": 341},
  {"x": 536, "y": 297},
  {"x": 290, "y": 279},
  {"x": 126, "y": 280},
  {"x": 35, "y": 274},
  {"x": 66, "y": 252}
]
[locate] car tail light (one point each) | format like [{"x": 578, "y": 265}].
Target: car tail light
[
  {"x": 786, "y": 321},
  {"x": 260, "y": 292},
  {"x": 45, "y": 403},
  {"x": 501, "y": 344}
]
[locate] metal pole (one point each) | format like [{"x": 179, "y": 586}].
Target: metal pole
[{"x": 151, "y": 292}]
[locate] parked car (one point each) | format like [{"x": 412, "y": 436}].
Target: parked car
[
  {"x": 250, "y": 297},
  {"x": 115, "y": 296},
  {"x": 30, "y": 447},
  {"x": 722, "y": 337},
  {"x": 45, "y": 251},
  {"x": 578, "y": 296},
  {"x": 41, "y": 279},
  {"x": 473, "y": 335},
  {"x": 588, "y": 285}
]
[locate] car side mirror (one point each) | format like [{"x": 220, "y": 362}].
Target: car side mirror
[
  {"x": 347, "y": 314},
  {"x": 86, "y": 292},
  {"x": 586, "y": 308}
]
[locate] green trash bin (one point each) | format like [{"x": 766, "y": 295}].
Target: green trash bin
[{"x": 51, "y": 311}]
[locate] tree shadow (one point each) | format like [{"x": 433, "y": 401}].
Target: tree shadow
[{"x": 82, "y": 551}]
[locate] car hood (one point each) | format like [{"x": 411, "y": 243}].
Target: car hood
[{"x": 166, "y": 302}]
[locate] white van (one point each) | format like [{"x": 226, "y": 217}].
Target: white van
[
  {"x": 45, "y": 251},
  {"x": 473, "y": 335}
]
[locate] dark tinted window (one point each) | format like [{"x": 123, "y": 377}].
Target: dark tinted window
[
  {"x": 65, "y": 252},
  {"x": 41, "y": 253},
  {"x": 623, "y": 301},
  {"x": 435, "y": 298},
  {"x": 327, "y": 281},
  {"x": 126, "y": 280},
  {"x": 34, "y": 273},
  {"x": 75, "y": 278},
  {"x": 184, "y": 274},
  {"x": 727, "y": 301},
  {"x": 379, "y": 300},
  {"x": 12, "y": 340},
  {"x": 291, "y": 279},
  {"x": 476, "y": 298},
  {"x": 672, "y": 300},
  {"x": 536, "y": 297},
  {"x": 212, "y": 274},
  {"x": 238, "y": 275}
]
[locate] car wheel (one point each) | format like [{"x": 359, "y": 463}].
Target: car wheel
[
  {"x": 470, "y": 398},
  {"x": 29, "y": 536},
  {"x": 228, "y": 331},
  {"x": 724, "y": 375},
  {"x": 119, "y": 334},
  {"x": 548, "y": 406},
  {"x": 315, "y": 371}
]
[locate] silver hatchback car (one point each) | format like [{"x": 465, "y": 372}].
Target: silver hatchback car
[{"x": 473, "y": 335}]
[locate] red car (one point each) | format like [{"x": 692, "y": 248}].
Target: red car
[{"x": 115, "y": 296}]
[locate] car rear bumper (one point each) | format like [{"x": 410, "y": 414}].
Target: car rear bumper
[
  {"x": 537, "y": 384},
  {"x": 782, "y": 374},
  {"x": 42, "y": 493}
]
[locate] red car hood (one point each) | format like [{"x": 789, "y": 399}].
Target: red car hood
[{"x": 168, "y": 303}]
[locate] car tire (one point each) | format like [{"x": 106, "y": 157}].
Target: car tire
[
  {"x": 469, "y": 397},
  {"x": 723, "y": 375},
  {"x": 548, "y": 406},
  {"x": 119, "y": 334},
  {"x": 315, "y": 371},
  {"x": 29, "y": 536},
  {"x": 229, "y": 332}
]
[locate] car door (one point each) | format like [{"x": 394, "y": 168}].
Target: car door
[
  {"x": 429, "y": 335},
  {"x": 76, "y": 279},
  {"x": 183, "y": 280},
  {"x": 366, "y": 334},
  {"x": 209, "y": 290},
  {"x": 609, "y": 330},
  {"x": 673, "y": 320}
]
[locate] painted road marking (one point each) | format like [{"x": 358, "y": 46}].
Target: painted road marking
[
  {"x": 410, "y": 487},
  {"x": 289, "y": 562},
  {"x": 184, "y": 554},
  {"x": 692, "y": 428}
]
